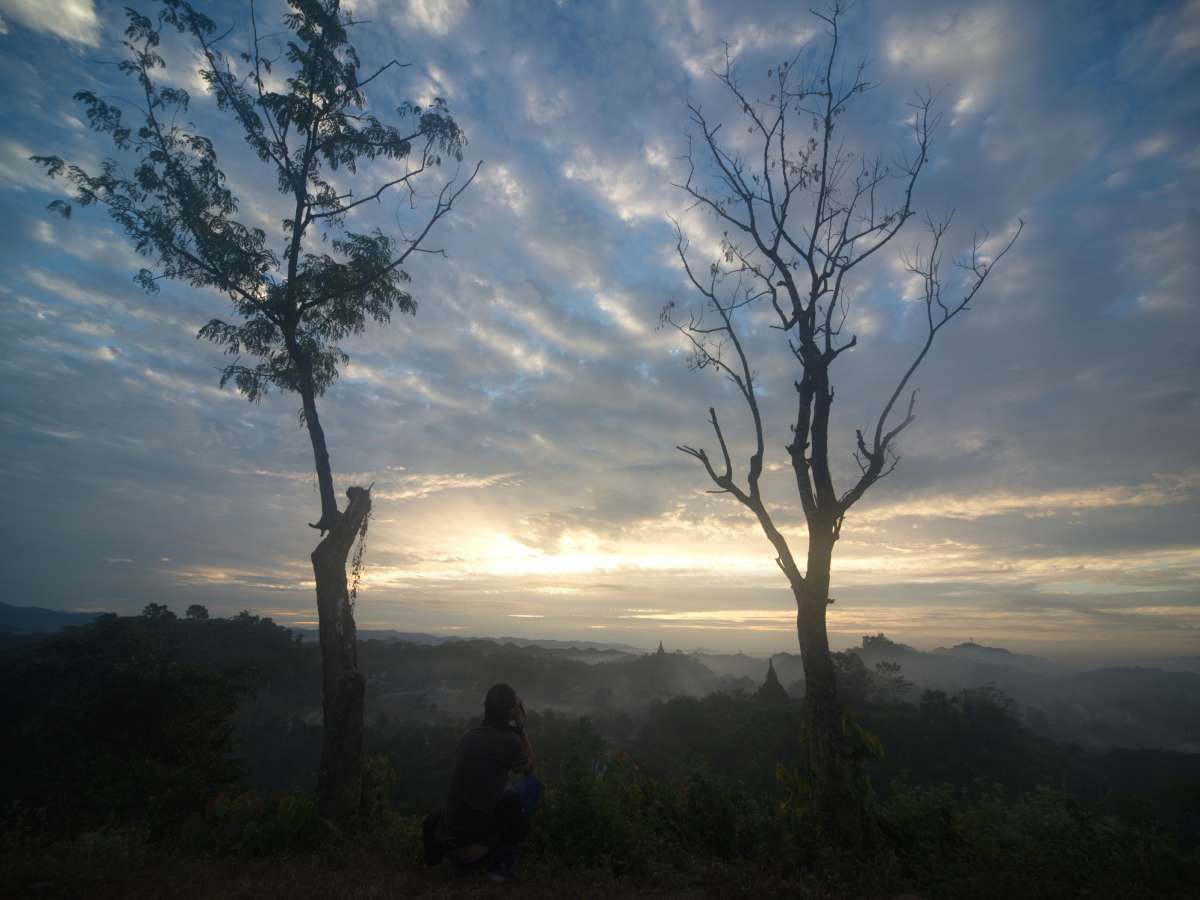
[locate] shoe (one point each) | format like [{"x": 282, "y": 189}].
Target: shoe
[
  {"x": 501, "y": 873},
  {"x": 503, "y": 867}
]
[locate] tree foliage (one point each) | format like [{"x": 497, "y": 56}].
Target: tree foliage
[
  {"x": 110, "y": 721},
  {"x": 291, "y": 305}
]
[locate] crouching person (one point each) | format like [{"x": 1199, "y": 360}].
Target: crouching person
[{"x": 484, "y": 820}]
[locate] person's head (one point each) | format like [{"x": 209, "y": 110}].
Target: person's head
[{"x": 498, "y": 705}]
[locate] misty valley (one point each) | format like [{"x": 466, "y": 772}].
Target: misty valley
[{"x": 661, "y": 767}]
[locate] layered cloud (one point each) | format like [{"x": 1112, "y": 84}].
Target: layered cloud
[
  {"x": 521, "y": 429},
  {"x": 72, "y": 20}
]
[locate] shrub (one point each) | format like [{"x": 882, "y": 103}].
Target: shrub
[{"x": 1040, "y": 844}]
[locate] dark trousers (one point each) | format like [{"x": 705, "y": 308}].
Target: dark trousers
[{"x": 514, "y": 809}]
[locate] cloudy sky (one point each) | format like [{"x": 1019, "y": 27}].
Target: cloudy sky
[{"x": 520, "y": 430}]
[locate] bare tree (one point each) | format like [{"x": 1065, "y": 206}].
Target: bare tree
[
  {"x": 308, "y": 125},
  {"x": 800, "y": 212}
]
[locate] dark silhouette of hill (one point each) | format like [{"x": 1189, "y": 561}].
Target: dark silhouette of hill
[
  {"x": 23, "y": 619},
  {"x": 998, "y": 656},
  {"x": 1180, "y": 663},
  {"x": 1123, "y": 706},
  {"x": 965, "y": 666},
  {"x": 1130, "y": 706},
  {"x": 417, "y": 637},
  {"x": 788, "y": 666}
]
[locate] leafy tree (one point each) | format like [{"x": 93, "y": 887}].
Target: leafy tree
[
  {"x": 158, "y": 612},
  {"x": 106, "y": 722},
  {"x": 197, "y": 613},
  {"x": 890, "y": 683},
  {"x": 800, "y": 212},
  {"x": 294, "y": 297}
]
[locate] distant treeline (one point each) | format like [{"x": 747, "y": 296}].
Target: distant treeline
[{"x": 178, "y": 725}]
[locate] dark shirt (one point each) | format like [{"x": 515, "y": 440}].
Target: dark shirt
[{"x": 482, "y": 762}]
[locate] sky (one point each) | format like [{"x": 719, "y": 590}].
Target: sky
[{"x": 520, "y": 430}]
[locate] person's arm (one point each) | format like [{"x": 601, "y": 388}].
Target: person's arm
[{"x": 519, "y": 728}]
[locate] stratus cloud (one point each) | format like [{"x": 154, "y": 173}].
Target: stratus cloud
[
  {"x": 1163, "y": 491},
  {"x": 437, "y": 16},
  {"x": 16, "y": 171},
  {"x": 278, "y": 579},
  {"x": 1166, "y": 260},
  {"x": 629, "y": 189},
  {"x": 393, "y": 486},
  {"x": 72, "y": 20},
  {"x": 1172, "y": 37},
  {"x": 412, "y": 487}
]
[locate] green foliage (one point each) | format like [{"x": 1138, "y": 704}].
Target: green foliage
[
  {"x": 740, "y": 738},
  {"x": 969, "y": 738},
  {"x": 292, "y": 305},
  {"x": 794, "y": 810},
  {"x": 1040, "y": 844},
  {"x": 105, "y": 721},
  {"x": 607, "y": 814},
  {"x": 379, "y": 780},
  {"x": 244, "y": 823},
  {"x": 74, "y": 866}
]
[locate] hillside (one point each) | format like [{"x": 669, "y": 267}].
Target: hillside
[
  {"x": 28, "y": 619},
  {"x": 176, "y": 757}
]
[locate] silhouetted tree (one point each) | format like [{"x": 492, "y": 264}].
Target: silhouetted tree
[
  {"x": 158, "y": 612},
  {"x": 291, "y": 305},
  {"x": 890, "y": 683},
  {"x": 800, "y": 212},
  {"x": 105, "y": 722},
  {"x": 197, "y": 613}
]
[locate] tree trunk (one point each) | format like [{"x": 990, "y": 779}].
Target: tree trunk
[
  {"x": 316, "y": 434},
  {"x": 838, "y": 806},
  {"x": 339, "y": 782}
]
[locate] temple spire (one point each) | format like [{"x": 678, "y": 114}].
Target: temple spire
[{"x": 771, "y": 691}]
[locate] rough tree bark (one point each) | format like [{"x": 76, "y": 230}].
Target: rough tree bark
[
  {"x": 343, "y": 687},
  {"x": 339, "y": 781},
  {"x": 834, "y": 799}
]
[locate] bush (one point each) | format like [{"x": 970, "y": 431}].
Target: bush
[
  {"x": 104, "y": 723},
  {"x": 37, "y": 865},
  {"x": 246, "y": 824},
  {"x": 1040, "y": 844},
  {"x": 607, "y": 814}
]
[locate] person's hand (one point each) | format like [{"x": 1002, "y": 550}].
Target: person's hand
[{"x": 519, "y": 712}]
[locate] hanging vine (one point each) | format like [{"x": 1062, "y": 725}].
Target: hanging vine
[{"x": 357, "y": 564}]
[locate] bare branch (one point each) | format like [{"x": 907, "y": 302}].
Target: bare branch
[
  {"x": 445, "y": 203},
  {"x": 928, "y": 268}
]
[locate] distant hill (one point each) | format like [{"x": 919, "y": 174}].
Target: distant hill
[
  {"x": 1123, "y": 706},
  {"x": 964, "y": 666},
  {"x": 789, "y": 667},
  {"x": 433, "y": 640},
  {"x": 998, "y": 656},
  {"x": 28, "y": 619},
  {"x": 1131, "y": 706},
  {"x": 1180, "y": 663}
]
